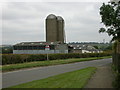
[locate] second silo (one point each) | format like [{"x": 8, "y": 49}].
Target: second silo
[
  {"x": 51, "y": 28},
  {"x": 60, "y": 29}
]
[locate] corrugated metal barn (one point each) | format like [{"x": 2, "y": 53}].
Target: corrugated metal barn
[{"x": 39, "y": 48}]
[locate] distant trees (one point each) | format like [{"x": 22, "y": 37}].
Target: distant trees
[
  {"x": 96, "y": 47},
  {"x": 110, "y": 15},
  {"x": 7, "y": 50}
]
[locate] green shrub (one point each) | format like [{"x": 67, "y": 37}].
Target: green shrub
[
  {"x": 21, "y": 58},
  {"x": 36, "y": 57},
  {"x": 117, "y": 81}
]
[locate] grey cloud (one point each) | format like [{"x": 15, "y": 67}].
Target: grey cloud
[{"x": 26, "y": 21}]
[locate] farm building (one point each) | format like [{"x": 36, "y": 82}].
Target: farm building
[
  {"x": 55, "y": 39},
  {"x": 40, "y": 48},
  {"x": 84, "y": 49}
]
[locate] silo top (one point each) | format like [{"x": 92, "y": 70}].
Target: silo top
[
  {"x": 51, "y": 16},
  {"x": 59, "y": 18}
]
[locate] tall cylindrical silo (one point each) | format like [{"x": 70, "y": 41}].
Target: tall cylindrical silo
[
  {"x": 51, "y": 28},
  {"x": 60, "y": 29}
]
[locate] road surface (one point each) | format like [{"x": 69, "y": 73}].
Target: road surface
[{"x": 27, "y": 75}]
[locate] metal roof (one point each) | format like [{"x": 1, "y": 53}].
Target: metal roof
[
  {"x": 36, "y": 43},
  {"x": 84, "y": 47},
  {"x": 59, "y": 18},
  {"x": 51, "y": 16}
]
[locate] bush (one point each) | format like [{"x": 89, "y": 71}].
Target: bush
[
  {"x": 117, "y": 81},
  {"x": 36, "y": 57},
  {"x": 21, "y": 58}
]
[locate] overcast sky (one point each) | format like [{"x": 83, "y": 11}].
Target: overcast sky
[{"x": 25, "y": 21}]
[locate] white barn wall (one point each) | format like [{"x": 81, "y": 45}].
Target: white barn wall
[{"x": 38, "y": 51}]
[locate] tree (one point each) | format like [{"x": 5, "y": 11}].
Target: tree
[
  {"x": 110, "y": 15},
  {"x": 96, "y": 47},
  {"x": 6, "y": 50}
]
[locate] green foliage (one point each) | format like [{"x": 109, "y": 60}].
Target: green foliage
[
  {"x": 115, "y": 46},
  {"x": 7, "y": 50},
  {"x": 116, "y": 55},
  {"x": 95, "y": 47},
  {"x": 12, "y": 67},
  {"x": 21, "y": 58},
  {"x": 35, "y": 57},
  {"x": 110, "y": 15},
  {"x": 116, "y": 82},
  {"x": 108, "y": 48}
]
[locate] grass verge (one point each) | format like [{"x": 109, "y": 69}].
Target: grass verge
[
  {"x": 12, "y": 67},
  {"x": 74, "y": 79}
]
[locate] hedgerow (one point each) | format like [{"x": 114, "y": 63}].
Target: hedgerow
[{"x": 21, "y": 58}]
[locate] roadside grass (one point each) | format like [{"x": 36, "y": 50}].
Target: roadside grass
[
  {"x": 116, "y": 82},
  {"x": 0, "y": 68},
  {"x": 74, "y": 79},
  {"x": 12, "y": 67}
]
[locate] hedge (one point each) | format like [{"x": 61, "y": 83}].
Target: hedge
[{"x": 21, "y": 58}]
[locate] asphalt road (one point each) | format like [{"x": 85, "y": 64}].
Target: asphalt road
[{"x": 23, "y": 76}]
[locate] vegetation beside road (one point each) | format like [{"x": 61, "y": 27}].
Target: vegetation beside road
[
  {"x": 116, "y": 82},
  {"x": 74, "y": 79},
  {"x": 23, "y": 58},
  {"x": 12, "y": 67}
]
